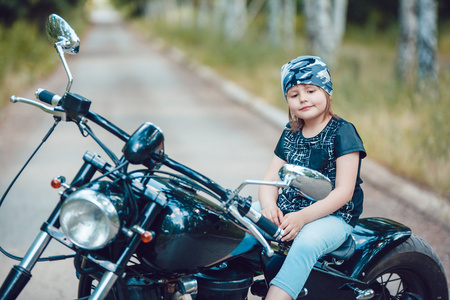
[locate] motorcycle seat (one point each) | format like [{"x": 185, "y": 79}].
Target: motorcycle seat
[{"x": 345, "y": 251}]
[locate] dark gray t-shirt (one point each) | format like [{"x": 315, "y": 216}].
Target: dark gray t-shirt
[{"x": 320, "y": 152}]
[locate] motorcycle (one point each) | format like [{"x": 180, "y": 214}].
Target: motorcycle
[{"x": 131, "y": 222}]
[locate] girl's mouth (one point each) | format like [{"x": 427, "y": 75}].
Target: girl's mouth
[{"x": 305, "y": 108}]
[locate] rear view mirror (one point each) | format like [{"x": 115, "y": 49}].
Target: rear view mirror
[
  {"x": 312, "y": 184},
  {"x": 61, "y": 34},
  {"x": 65, "y": 40}
]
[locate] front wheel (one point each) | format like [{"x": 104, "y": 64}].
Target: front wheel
[{"x": 411, "y": 271}]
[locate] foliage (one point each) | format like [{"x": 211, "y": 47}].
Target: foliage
[
  {"x": 25, "y": 52},
  {"x": 135, "y": 8},
  {"x": 34, "y": 11}
]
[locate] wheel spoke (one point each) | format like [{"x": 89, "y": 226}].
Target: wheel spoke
[{"x": 392, "y": 284}]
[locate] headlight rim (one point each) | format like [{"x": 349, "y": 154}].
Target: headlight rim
[{"x": 99, "y": 201}]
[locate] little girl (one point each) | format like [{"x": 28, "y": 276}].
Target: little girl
[{"x": 318, "y": 139}]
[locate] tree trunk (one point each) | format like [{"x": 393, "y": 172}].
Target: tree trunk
[
  {"x": 204, "y": 11},
  {"x": 218, "y": 14},
  {"x": 325, "y": 26},
  {"x": 290, "y": 11},
  {"x": 406, "y": 49},
  {"x": 275, "y": 15},
  {"x": 236, "y": 19},
  {"x": 426, "y": 40},
  {"x": 186, "y": 10}
]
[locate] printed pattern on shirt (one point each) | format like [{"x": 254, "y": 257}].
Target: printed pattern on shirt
[{"x": 317, "y": 153}]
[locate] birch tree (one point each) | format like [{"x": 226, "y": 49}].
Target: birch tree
[
  {"x": 218, "y": 14},
  {"x": 427, "y": 40},
  {"x": 274, "y": 21},
  {"x": 325, "y": 26},
  {"x": 418, "y": 39},
  {"x": 235, "y": 19},
  {"x": 203, "y": 13},
  {"x": 290, "y": 12},
  {"x": 406, "y": 48},
  {"x": 282, "y": 22}
]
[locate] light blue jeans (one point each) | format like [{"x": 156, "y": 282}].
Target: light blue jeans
[{"x": 314, "y": 240}]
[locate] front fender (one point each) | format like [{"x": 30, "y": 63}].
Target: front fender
[{"x": 374, "y": 238}]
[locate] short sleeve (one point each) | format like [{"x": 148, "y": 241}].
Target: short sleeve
[
  {"x": 279, "y": 149},
  {"x": 348, "y": 141}
]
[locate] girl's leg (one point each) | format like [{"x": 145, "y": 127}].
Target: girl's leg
[
  {"x": 277, "y": 293},
  {"x": 313, "y": 241}
]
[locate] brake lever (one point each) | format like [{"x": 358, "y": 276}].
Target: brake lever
[{"x": 56, "y": 111}]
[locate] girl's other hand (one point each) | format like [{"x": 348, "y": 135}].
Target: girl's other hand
[
  {"x": 274, "y": 214},
  {"x": 292, "y": 223}
]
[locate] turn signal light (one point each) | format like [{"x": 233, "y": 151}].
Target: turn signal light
[
  {"x": 57, "y": 182},
  {"x": 147, "y": 237}
]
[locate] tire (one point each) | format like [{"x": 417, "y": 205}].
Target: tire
[{"x": 411, "y": 271}]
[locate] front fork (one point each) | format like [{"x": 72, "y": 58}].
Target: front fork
[
  {"x": 20, "y": 274},
  {"x": 114, "y": 270}
]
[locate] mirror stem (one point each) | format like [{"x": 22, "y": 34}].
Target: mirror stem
[
  {"x": 60, "y": 51},
  {"x": 280, "y": 184}
]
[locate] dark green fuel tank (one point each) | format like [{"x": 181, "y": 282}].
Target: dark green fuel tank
[{"x": 191, "y": 232}]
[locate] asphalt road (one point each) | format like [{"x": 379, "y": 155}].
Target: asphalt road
[{"x": 130, "y": 82}]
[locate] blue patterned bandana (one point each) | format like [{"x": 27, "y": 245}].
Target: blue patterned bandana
[{"x": 306, "y": 70}]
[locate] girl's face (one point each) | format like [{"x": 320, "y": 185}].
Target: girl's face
[{"x": 307, "y": 102}]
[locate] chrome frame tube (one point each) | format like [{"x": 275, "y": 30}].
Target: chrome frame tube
[
  {"x": 60, "y": 51},
  {"x": 280, "y": 184},
  {"x": 253, "y": 230},
  {"x": 35, "y": 251},
  {"x": 103, "y": 287}
]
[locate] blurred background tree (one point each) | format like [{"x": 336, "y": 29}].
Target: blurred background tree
[
  {"x": 34, "y": 11},
  {"x": 417, "y": 44}
]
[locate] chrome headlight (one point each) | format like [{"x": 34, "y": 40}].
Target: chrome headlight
[{"x": 89, "y": 217}]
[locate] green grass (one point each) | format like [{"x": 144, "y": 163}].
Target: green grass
[
  {"x": 24, "y": 56},
  {"x": 403, "y": 127}
]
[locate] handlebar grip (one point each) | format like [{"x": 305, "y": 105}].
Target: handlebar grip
[
  {"x": 270, "y": 228},
  {"x": 48, "y": 97}
]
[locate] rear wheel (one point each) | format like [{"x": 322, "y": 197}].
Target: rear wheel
[{"x": 411, "y": 271}]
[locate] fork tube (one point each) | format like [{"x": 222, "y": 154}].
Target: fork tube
[
  {"x": 35, "y": 251},
  {"x": 109, "y": 278},
  {"x": 20, "y": 274},
  {"x": 105, "y": 284},
  {"x": 41, "y": 241}
]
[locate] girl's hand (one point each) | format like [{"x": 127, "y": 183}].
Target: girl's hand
[
  {"x": 292, "y": 224},
  {"x": 274, "y": 214}
]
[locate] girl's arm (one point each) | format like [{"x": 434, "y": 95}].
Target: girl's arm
[
  {"x": 346, "y": 174},
  {"x": 268, "y": 195}
]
